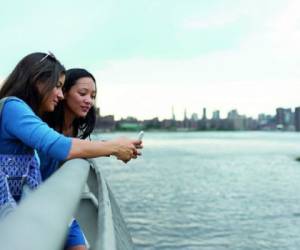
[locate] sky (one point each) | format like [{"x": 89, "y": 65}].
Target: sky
[{"x": 149, "y": 56}]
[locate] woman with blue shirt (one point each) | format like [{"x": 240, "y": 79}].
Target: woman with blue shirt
[{"x": 33, "y": 88}]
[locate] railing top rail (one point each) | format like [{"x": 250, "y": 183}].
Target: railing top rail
[{"x": 41, "y": 220}]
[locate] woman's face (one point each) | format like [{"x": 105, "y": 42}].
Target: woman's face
[
  {"x": 50, "y": 101},
  {"x": 81, "y": 97}
]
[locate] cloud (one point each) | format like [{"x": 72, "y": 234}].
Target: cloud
[
  {"x": 288, "y": 19},
  {"x": 280, "y": 35},
  {"x": 208, "y": 23},
  {"x": 150, "y": 88}
]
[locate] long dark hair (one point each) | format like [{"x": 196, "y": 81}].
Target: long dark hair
[
  {"x": 33, "y": 69},
  {"x": 82, "y": 126}
]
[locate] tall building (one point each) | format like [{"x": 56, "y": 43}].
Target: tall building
[
  {"x": 284, "y": 118},
  {"x": 185, "y": 114},
  {"x": 194, "y": 121},
  {"x": 216, "y": 115},
  {"x": 232, "y": 114},
  {"x": 173, "y": 114},
  {"x": 204, "y": 114},
  {"x": 262, "y": 119},
  {"x": 280, "y": 117},
  {"x": 185, "y": 119},
  {"x": 288, "y": 117},
  {"x": 297, "y": 119},
  {"x": 237, "y": 121},
  {"x": 216, "y": 122},
  {"x": 194, "y": 117}
]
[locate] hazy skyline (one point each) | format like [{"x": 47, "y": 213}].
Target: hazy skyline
[{"x": 150, "y": 56}]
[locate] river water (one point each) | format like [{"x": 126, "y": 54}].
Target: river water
[{"x": 210, "y": 190}]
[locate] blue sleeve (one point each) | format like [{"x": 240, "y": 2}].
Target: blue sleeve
[
  {"x": 48, "y": 165},
  {"x": 20, "y": 122}
]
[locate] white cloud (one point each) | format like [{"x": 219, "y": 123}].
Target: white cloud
[
  {"x": 148, "y": 89},
  {"x": 215, "y": 21},
  {"x": 288, "y": 19},
  {"x": 280, "y": 36}
]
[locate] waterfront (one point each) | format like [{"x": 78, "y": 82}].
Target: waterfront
[{"x": 211, "y": 190}]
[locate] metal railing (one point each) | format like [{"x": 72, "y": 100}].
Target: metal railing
[
  {"x": 99, "y": 215},
  {"x": 41, "y": 220}
]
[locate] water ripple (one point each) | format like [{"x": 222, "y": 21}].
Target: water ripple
[{"x": 211, "y": 191}]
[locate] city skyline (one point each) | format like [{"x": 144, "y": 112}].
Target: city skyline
[
  {"x": 285, "y": 119},
  {"x": 223, "y": 114},
  {"x": 150, "y": 56}
]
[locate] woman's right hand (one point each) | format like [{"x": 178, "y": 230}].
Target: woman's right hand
[{"x": 126, "y": 149}]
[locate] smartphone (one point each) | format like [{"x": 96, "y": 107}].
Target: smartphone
[{"x": 141, "y": 135}]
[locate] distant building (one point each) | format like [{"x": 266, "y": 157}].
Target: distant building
[
  {"x": 284, "y": 119},
  {"x": 216, "y": 123},
  {"x": 129, "y": 124},
  {"x": 167, "y": 124},
  {"x": 232, "y": 115},
  {"x": 185, "y": 115},
  {"x": 216, "y": 115},
  {"x": 225, "y": 124},
  {"x": 251, "y": 124},
  {"x": 204, "y": 117},
  {"x": 152, "y": 123},
  {"x": 173, "y": 114},
  {"x": 266, "y": 122},
  {"x": 237, "y": 121},
  {"x": 203, "y": 123},
  {"x": 297, "y": 119},
  {"x": 105, "y": 123},
  {"x": 185, "y": 119},
  {"x": 194, "y": 117},
  {"x": 194, "y": 122},
  {"x": 262, "y": 120}
]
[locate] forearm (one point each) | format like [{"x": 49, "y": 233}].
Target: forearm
[{"x": 91, "y": 149}]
